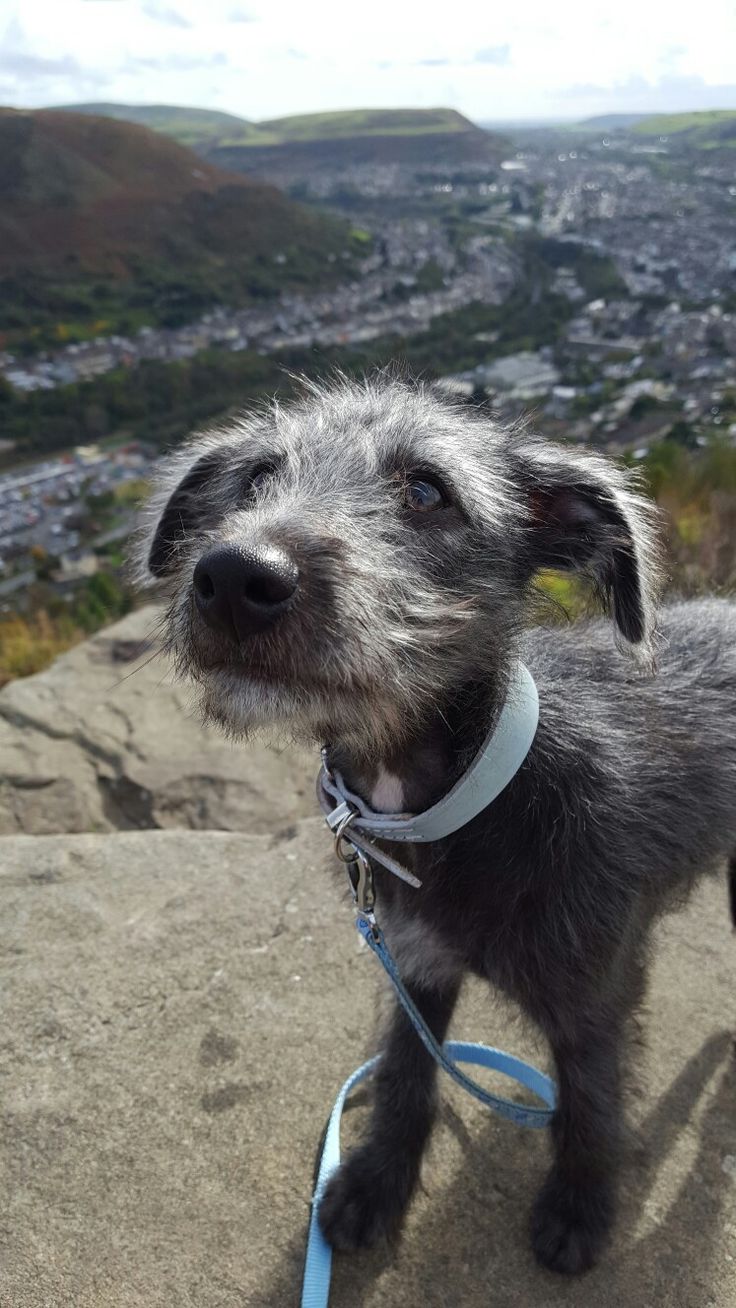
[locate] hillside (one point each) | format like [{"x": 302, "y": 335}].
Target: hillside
[
  {"x": 105, "y": 221},
  {"x": 419, "y": 138},
  {"x": 366, "y": 122},
  {"x": 276, "y": 147},
  {"x": 203, "y": 127},
  {"x": 709, "y": 129},
  {"x": 610, "y": 122},
  {"x": 187, "y": 126}
]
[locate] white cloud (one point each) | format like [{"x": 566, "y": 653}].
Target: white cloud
[
  {"x": 499, "y": 55},
  {"x": 167, "y": 14},
  {"x": 489, "y": 61}
]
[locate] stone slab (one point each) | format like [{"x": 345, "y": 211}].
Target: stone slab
[
  {"x": 107, "y": 739},
  {"x": 180, "y": 1009}
]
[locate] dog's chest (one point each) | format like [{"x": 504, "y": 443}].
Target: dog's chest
[{"x": 424, "y": 955}]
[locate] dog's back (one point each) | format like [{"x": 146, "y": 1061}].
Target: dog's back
[{"x": 668, "y": 741}]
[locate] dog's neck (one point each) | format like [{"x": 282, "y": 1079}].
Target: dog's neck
[{"x": 414, "y": 774}]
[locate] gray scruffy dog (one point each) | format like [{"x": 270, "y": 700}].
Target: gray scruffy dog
[{"x": 356, "y": 569}]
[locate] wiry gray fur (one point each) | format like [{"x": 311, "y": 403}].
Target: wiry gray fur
[
  {"x": 409, "y": 614},
  {"x": 396, "y": 653}
]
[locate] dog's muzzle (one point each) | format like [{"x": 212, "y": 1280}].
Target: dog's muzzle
[{"x": 240, "y": 592}]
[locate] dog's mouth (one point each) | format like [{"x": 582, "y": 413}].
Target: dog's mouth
[
  {"x": 295, "y": 685},
  {"x": 268, "y": 665},
  {"x": 245, "y": 669},
  {"x": 255, "y": 673}
]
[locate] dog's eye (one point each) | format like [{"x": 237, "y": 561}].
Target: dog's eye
[{"x": 422, "y": 496}]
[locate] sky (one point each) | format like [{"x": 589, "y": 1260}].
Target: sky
[{"x": 491, "y": 59}]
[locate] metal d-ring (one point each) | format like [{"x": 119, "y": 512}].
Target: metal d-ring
[
  {"x": 357, "y": 866},
  {"x": 340, "y": 836}
]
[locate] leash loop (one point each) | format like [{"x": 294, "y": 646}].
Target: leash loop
[
  {"x": 541, "y": 1085},
  {"x": 318, "y": 1259},
  {"x": 352, "y": 824}
]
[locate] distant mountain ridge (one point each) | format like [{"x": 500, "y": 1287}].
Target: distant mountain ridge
[
  {"x": 707, "y": 129},
  {"x": 280, "y": 148},
  {"x": 367, "y": 122},
  {"x": 187, "y": 126},
  {"x": 704, "y": 128},
  {"x": 202, "y": 127},
  {"x": 611, "y": 122},
  {"x": 102, "y": 219}
]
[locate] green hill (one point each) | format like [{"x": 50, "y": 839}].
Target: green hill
[
  {"x": 106, "y": 224},
  {"x": 364, "y": 122},
  {"x": 611, "y": 122},
  {"x": 709, "y": 129},
  {"x": 207, "y": 130},
  {"x": 304, "y": 146},
  {"x": 187, "y": 126}
]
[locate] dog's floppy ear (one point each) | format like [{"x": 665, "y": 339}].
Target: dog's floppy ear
[
  {"x": 180, "y": 513},
  {"x": 585, "y": 514}
]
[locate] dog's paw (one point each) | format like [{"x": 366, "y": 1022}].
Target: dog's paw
[
  {"x": 364, "y": 1202},
  {"x": 570, "y": 1224}
]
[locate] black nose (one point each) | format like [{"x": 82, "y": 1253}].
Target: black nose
[{"x": 240, "y": 591}]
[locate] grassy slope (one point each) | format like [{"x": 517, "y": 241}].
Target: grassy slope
[
  {"x": 205, "y": 126},
  {"x": 366, "y": 122},
  {"x": 671, "y": 123},
  {"x": 610, "y": 122},
  {"x": 709, "y": 129},
  {"x": 187, "y": 126}
]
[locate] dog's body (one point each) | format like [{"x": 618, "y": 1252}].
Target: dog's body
[{"x": 342, "y": 593}]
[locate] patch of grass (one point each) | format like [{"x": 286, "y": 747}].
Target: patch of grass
[
  {"x": 185, "y": 125},
  {"x": 28, "y": 643},
  {"x": 669, "y": 124},
  {"x": 201, "y": 127},
  {"x": 712, "y": 129},
  {"x": 365, "y": 122},
  {"x": 560, "y": 597}
]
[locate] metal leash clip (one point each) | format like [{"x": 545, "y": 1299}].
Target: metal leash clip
[
  {"x": 360, "y": 874},
  {"x": 357, "y": 866}
]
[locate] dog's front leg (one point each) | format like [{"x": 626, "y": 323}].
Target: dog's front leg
[
  {"x": 367, "y": 1197},
  {"x": 574, "y": 1209}
]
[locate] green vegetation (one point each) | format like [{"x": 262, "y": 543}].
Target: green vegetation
[
  {"x": 365, "y": 122},
  {"x": 708, "y": 129},
  {"x": 160, "y": 402},
  {"x": 205, "y": 127},
  {"x": 669, "y": 124},
  {"x": 190, "y": 127},
  {"x": 29, "y": 644},
  {"x": 697, "y": 490},
  {"x": 45, "y": 312},
  {"x": 106, "y": 225},
  {"x": 596, "y": 273}
]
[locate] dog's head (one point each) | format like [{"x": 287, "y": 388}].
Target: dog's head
[{"x": 336, "y": 567}]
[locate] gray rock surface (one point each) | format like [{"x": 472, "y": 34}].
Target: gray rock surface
[
  {"x": 107, "y": 739},
  {"x": 179, "y": 1011}
]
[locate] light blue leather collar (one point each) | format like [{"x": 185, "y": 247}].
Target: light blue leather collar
[{"x": 493, "y": 767}]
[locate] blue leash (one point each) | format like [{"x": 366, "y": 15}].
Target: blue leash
[{"x": 318, "y": 1262}]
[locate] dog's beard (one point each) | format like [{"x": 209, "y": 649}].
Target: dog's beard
[
  {"x": 242, "y": 706},
  {"x": 356, "y": 701}
]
